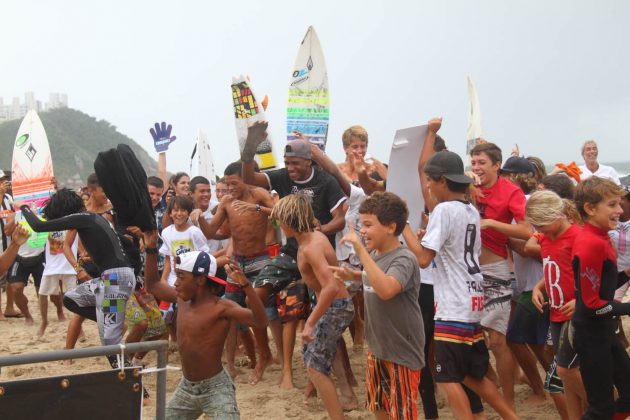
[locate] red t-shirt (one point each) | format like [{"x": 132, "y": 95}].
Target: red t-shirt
[
  {"x": 503, "y": 202},
  {"x": 557, "y": 259}
]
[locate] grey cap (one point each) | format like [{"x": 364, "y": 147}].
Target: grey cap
[
  {"x": 449, "y": 165},
  {"x": 298, "y": 148}
]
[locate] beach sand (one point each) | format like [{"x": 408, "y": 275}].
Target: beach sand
[{"x": 262, "y": 401}]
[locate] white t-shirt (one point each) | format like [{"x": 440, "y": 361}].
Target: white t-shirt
[
  {"x": 602, "y": 171},
  {"x": 56, "y": 262},
  {"x": 528, "y": 271},
  {"x": 454, "y": 234},
  {"x": 346, "y": 251},
  {"x": 176, "y": 243},
  {"x": 621, "y": 241},
  {"x": 214, "y": 245},
  {"x": 427, "y": 274}
]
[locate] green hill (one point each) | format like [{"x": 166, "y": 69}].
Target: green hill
[{"x": 75, "y": 139}]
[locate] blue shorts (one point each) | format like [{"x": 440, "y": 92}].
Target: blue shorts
[{"x": 528, "y": 326}]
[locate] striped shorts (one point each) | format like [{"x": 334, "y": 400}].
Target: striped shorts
[{"x": 392, "y": 388}]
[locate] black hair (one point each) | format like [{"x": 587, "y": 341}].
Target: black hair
[
  {"x": 388, "y": 208},
  {"x": 233, "y": 168},
  {"x": 439, "y": 144},
  {"x": 561, "y": 184},
  {"x": 452, "y": 186},
  {"x": 181, "y": 201},
  {"x": 92, "y": 180},
  {"x": 63, "y": 203},
  {"x": 198, "y": 180},
  {"x": 155, "y": 182}
]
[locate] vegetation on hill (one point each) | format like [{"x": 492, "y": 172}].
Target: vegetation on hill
[{"x": 75, "y": 139}]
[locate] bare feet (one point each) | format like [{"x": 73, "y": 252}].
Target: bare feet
[
  {"x": 286, "y": 381},
  {"x": 535, "y": 399},
  {"x": 67, "y": 362},
  {"x": 259, "y": 371},
  {"x": 42, "y": 329},
  {"x": 309, "y": 392},
  {"x": 82, "y": 338},
  {"x": 349, "y": 404},
  {"x": 61, "y": 316},
  {"x": 29, "y": 320}
]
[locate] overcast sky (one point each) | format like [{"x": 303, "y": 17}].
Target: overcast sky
[{"x": 549, "y": 74}]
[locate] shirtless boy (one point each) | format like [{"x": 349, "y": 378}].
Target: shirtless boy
[
  {"x": 246, "y": 210},
  {"x": 203, "y": 322},
  {"x": 334, "y": 310}
]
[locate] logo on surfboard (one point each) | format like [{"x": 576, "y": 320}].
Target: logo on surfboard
[{"x": 21, "y": 141}]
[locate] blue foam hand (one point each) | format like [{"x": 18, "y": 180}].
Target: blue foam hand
[{"x": 162, "y": 136}]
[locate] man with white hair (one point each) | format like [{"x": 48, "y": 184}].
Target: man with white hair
[{"x": 592, "y": 167}]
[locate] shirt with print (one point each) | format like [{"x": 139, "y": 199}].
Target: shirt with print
[
  {"x": 177, "y": 243},
  {"x": 345, "y": 251},
  {"x": 321, "y": 187},
  {"x": 393, "y": 328},
  {"x": 6, "y": 209},
  {"x": 56, "y": 261},
  {"x": 159, "y": 210},
  {"x": 558, "y": 271},
  {"x": 621, "y": 241},
  {"x": 214, "y": 245},
  {"x": 453, "y": 233},
  {"x": 504, "y": 202}
]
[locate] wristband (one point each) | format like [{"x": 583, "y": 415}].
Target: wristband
[
  {"x": 151, "y": 250},
  {"x": 78, "y": 267},
  {"x": 257, "y": 208}
]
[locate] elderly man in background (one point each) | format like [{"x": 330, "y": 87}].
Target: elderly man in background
[{"x": 592, "y": 167}]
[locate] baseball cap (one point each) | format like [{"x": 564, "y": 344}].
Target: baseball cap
[
  {"x": 449, "y": 165},
  {"x": 518, "y": 165},
  {"x": 298, "y": 148},
  {"x": 199, "y": 263}
]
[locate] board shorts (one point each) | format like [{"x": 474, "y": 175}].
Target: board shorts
[
  {"x": 497, "y": 294},
  {"x": 293, "y": 302},
  {"x": 169, "y": 312},
  {"x": 392, "y": 388},
  {"x": 562, "y": 339},
  {"x": 50, "y": 284},
  {"x": 108, "y": 294},
  {"x": 278, "y": 273},
  {"x": 319, "y": 353},
  {"x": 460, "y": 351},
  {"x": 216, "y": 397},
  {"x": 553, "y": 384},
  {"x": 142, "y": 307},
  {"x": 528, "y": 326},
  {"x": 23, "y": 267},
  {"x": 251, "y": 266}
]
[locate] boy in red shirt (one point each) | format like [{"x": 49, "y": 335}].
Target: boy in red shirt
[{"x": 499, "y": 203}]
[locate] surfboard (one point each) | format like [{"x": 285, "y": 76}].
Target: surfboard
[
  {"x": 473, "y": 134},
  {"x": 308, "y": 108},
  {"x": 205, "y": 162},
  {"x": 32, "y": 168},
  {"x": 402, "y": 175},
  {"x": 248, "y": 111}
]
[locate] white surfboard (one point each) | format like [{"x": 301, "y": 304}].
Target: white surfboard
[
  {"x": 473, "y": 134},
  {"x": 205, "y": 163},
  {"x": 32, "y": 169},
  {"x": 247, "y": 111},
  {"x": 308, "y": 108},
  {"x": 402, "y": 174}
]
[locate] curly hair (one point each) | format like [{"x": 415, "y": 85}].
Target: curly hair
[
  {"x": 388, "y": 208},
  {"x": 63, "y": 203}
]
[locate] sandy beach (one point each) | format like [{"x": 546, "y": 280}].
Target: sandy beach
[{"x": 262, "y": 401}]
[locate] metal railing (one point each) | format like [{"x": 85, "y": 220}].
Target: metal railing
[{"x": 161, "y": 347}]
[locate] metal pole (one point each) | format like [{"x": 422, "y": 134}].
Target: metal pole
[
  {"x": 160, "y": 403},
  {"x": 52, "y": 356}
]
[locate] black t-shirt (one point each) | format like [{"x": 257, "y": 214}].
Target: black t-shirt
[{"x": 325, "y": 192}]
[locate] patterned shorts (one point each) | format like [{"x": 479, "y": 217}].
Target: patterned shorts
[
  {"x": 392, "y": 388},
  {"x": 320, "y": 353},
  {"x": 293, "y": 302},
  {"x": 279, "y": 273}
]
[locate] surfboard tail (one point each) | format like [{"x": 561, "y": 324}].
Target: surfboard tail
[{"x": 474, "y": 117}]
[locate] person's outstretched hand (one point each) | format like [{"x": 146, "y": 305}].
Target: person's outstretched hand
[
  {"x": 256, "y": 134},
  {"x": 435, "y": 124},
  {"x": 162, "y": 138},
  {"x": 20, "y": 235}
]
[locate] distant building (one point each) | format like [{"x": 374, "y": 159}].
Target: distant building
[{"x": 16, "y": 110}]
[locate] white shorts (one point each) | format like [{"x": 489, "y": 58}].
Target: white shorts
[
  {"x": 50, "y": 283},
  {"x": 497, "y": 289}
]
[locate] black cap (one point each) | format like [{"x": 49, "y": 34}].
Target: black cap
[
  {"x": 449, "y": 165},
  {"x": 518, "y": 165}
]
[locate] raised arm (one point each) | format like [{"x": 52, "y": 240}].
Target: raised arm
[
  {"x": 329, "y": 166},
  {"x": 19, "y": 237},
  {"x": 423, "y": 255},
  {"x": 72, "y": 221},
  {"x": 161, "y": 290},
  {"x": 210, "y": 229},
  {"x": 256, "y": 134},
  {"x": 425, "y": 155}
]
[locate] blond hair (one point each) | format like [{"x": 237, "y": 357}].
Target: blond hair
[
  {"x": 545, "y": 207},
  {"x": 296, "y": 212},
  {"x": 356, "y": 131}
]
